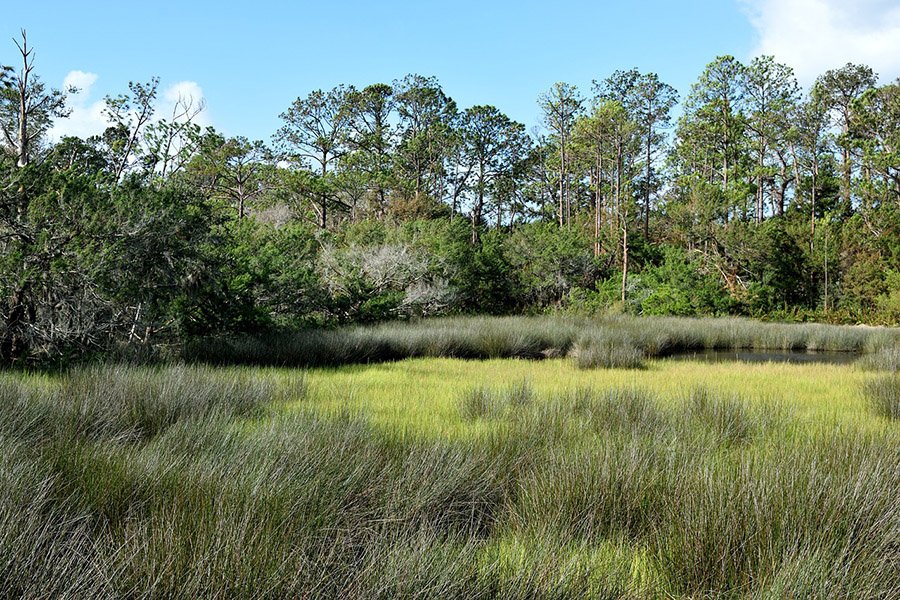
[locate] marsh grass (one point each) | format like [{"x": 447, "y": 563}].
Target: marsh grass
[
  {"x": 614, "y": 342},
  {"x": 886, "y": 358},
  {"x": 201, "y": 482},
  {"x": 883, "y": 396},
  {"x": 605, "y": 350},
  {"x": 733, "y": 525},
  {"x": 486, "y": 402},
  {"x": 461, "y": 337},
  {"x": 704, "y": 415},
  {"x": 136, "y": 403},
  {"x": 551, "y": 567},
  {"x": 729, "y": 419}
]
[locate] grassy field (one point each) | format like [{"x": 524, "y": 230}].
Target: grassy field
[
  {"x": 449, "y": 478},
  {"x": 422, "y": 395}
]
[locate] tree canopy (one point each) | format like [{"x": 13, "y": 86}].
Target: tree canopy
[{"x": 390, "y": 201}]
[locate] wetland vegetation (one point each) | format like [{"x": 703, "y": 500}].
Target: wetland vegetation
[
  {"x": 433, "y": 476},
  {"x": 605, "y": 342}
]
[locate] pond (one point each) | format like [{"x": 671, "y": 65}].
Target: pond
[{"x": 753, "y": 356}]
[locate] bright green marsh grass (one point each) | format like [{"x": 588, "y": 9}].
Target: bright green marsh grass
[
  {"x": 422, "y": 394},
  {"x": 448, "y": 478}
]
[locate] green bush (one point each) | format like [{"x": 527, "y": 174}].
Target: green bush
[{"x": 681, "y": 286}]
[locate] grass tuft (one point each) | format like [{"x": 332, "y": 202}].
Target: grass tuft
[
  {"x": 608, "y": 351},
  {"x": 884, "y": 359},
  {"x": 883, "y": 395}
]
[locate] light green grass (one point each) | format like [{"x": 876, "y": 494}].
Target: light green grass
[{"x": 422, "y": 394}]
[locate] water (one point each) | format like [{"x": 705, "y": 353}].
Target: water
[{"x": 759, "y": 356}]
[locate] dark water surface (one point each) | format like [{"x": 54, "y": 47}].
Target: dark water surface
[{"x": 753, "y": 356}]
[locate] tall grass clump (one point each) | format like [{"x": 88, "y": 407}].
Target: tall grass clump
[
  {"x": 42, "y": 541},
  {"x": 727, "y": 418},
  {"x": 136, "y": 403},
  {"x": 453, "y": 487},
  {"x": 883, "y": 359},
  {"x": 683, "y": 333},
  {"x": 613, "y": 487},
  {"x": 629, "y": 410},
  {"x": 747, "y": 524},
  {"x": 139, "y": 402},
  {"x": 883, "y": 396},
  {"x": 458, "y": 337},
  {"x": 485, "y": 402},
  {"x": 26, "y": 413},
  {"x": 607, "y": 350}
]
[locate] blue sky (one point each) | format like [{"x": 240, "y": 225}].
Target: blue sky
[{"x": 250, "y": 60}]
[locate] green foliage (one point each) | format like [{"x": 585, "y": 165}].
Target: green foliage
[
  {"x": 448, "y": 247},
  {"x": 868, "y": 264},
  {"x": 681, "y": 286},
  {"x": 888, "y": 303},
  {"x": 275, "y": 271},
  {"x": 490, "y": 286},
  {"x": 549, "y": 261},
  {"x": 775, "y": 259}
]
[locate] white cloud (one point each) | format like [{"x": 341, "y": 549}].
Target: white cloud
[
  {"x": 80, "y": 80},
  {"x": 813, "y": 36},
  {"x": 188, "y": 94},
  {"x": 87, "y": 117}
]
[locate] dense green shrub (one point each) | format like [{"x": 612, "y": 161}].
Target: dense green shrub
[{"x": 681, "y": 286}]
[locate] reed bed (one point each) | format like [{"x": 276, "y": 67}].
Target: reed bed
[{"x": 610, "y": 342}]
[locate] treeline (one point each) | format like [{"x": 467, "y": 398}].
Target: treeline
[{"x": 391, "y": 201}]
